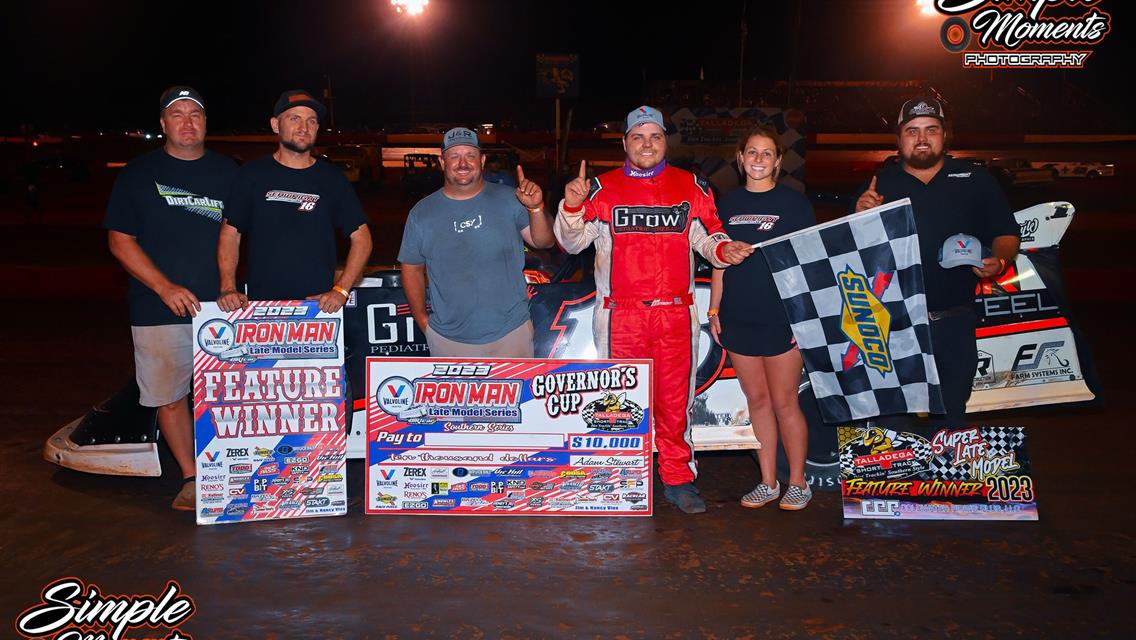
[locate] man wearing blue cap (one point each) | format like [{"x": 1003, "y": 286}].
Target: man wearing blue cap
[
  {"x": 645, "y": 220},
  {"x": 289, "y": 205},
  {"x": 467, "y": 239},
  {"x": 958, "y": 208},
  {"x": 162, "y": 225}
]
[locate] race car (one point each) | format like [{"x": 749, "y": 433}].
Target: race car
[
  {"x": 1078, "y": 169},
  {"x": 1029, "y": 354}
]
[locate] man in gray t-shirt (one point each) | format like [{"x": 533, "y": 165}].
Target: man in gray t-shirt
[{"x": 466, "y": 238}]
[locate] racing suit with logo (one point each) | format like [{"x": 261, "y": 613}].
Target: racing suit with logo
[{"x": 644, "y": 225}]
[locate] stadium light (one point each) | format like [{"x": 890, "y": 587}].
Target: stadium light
[
  {"x": 926, "y": 7},
  {"x": 410, "y": 7}
]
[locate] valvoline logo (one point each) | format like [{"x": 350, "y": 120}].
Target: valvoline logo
[
  {"x": 865, "y": 320},
  {"x": 963, "y": 243}
]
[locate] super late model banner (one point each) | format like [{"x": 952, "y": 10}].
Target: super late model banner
[
  {"x": 973, "y": 473},
  {"x": 268, "y": 408},
  {"x": 508, "y": 437}
]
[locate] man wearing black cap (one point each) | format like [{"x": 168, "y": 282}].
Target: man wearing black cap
[
  {"x": 289, "y": 205},
  {"x": 948, "y": 197},
  {"x": 162, "y": 224}
]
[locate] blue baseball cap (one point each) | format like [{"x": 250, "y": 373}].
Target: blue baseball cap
[
  {"x": 644, "y": 115},
  {"x": 458, "y": 136}
]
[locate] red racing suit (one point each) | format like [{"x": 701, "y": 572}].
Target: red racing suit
[{"x": 644, "y": 230}]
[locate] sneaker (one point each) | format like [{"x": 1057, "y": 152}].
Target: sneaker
[
  {"x": 685, "y": 497},
  {"x": 761, "y": 495},
  {"x": 186, "y": 499},
  {"x": 796, "y": 498}
]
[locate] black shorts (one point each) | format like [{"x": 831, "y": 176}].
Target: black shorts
[{"x": 756, "y": 339}]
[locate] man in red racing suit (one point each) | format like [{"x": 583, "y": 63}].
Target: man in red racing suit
[{"x": 644, "y": 220}]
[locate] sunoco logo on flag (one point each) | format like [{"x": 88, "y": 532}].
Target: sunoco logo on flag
[{"x": 865, "y": 320}]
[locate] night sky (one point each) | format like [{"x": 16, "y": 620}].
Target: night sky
[{"x": 100, "y": 65}]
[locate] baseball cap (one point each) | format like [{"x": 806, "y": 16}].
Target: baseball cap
[
  {"x": 920, "y": 107},
  {"x": 180, "y": 92},
  {"x": 298, "y": 98},
  {"x": 643, "y": 115},
  {"x": 459, "y": 136},
  {"x": 961, "y": 250}
]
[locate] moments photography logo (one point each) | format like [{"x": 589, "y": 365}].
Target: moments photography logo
[
  {"x": 71, "y": 610},
  {"x": 1022, "y": 34}
]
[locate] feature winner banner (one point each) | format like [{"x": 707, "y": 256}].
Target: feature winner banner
[
  {"x": 508, "y": 437},
  {"x": 268, "y": 410},
  {"x": 853, "y": 291},
  {"x": 973, "y": 473}
]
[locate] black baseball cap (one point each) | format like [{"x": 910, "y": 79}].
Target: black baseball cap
[
  {"x": 298, "y": 98},
  {"x": 180, "y": 92},
  {"x": 920, "y": 107}
]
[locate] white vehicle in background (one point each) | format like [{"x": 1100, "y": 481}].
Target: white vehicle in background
[
  {"x": 1078, "y": 169},
  {"x": 1028, "y": 355}
]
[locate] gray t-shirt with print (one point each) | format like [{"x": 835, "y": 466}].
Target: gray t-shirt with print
[{"x": 474, "y": 258}]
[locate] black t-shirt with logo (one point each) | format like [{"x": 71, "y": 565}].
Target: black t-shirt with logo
[
  {"x": 962, "y": 198},
  {"x": 173, "y": 208},
  {"x": 749, "y": 294},
  {"x": 288, "y": 218}
]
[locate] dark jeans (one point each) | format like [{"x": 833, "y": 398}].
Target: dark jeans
[{"x": 956, "y": 357}]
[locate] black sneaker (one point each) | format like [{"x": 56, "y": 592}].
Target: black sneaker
[{"x": 685, "y": 497}]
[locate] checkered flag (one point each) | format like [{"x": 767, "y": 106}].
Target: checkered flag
[{"x": 853, "y": 291}]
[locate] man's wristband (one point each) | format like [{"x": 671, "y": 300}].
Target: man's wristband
[
  {"x": 341, "y": 291},
  {"x": 535, "y": 210},
  {"x": 576, "y": 209},
  {"x": 710, "y": 313}
]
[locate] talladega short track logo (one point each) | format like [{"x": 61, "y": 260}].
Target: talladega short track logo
[
  {"x": 876, "y": 453},
  {"x": 612, "y": 412},
  {"x": 1022, "y": 34}
]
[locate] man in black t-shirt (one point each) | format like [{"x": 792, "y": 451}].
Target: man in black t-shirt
[
  {"x": 288, "y": 206},
  {"x": 948, "y": 197},
  {"x": 162, "y": 224}
]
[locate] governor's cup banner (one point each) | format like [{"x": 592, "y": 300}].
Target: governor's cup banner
[
  {"x": 268, "y": 410},
  {"x": 508, "y": 437},
  {"x": 972, "y": 473}
]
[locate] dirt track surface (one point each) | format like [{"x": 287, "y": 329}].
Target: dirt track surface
[{"x": 731, "y": 573}]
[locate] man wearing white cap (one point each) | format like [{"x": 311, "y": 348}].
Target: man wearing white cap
[
  {"x": 958, "y": 208},
  {"x": 162, "y": 222},
  {"x": 645, "y": 220}
]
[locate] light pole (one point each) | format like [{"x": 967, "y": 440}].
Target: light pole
[{"x": 412, "y": 9}]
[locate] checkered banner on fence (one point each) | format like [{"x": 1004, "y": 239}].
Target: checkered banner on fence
[{"x": 853, "y": 291}]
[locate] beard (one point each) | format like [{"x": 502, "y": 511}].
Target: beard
[
  {"x": 298, "y": 148},
  {"x": 923, "y": 160}
]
